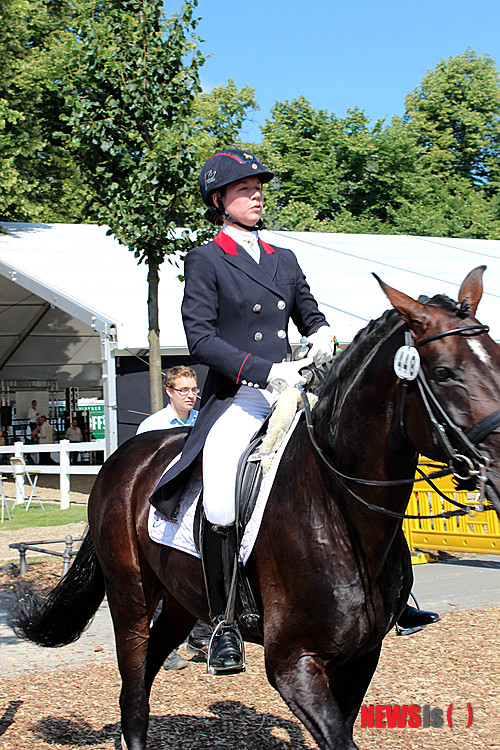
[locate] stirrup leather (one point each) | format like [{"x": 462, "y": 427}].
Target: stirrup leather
[{"x": 225, "y": 653}]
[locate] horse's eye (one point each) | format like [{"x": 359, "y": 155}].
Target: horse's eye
[{"x": 442, "y": 373}]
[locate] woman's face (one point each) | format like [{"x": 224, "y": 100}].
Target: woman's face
[{"x": 243, "y": 201}]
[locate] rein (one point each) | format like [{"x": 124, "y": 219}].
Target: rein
[{"x": 473, "y": 461}]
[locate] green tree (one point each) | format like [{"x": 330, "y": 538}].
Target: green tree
[
  {"x": 380, "y": 170},
  {"x": 435, "y": 172},
  {"x": 447, "y": 206},
  {"x": 336, "y": 174},
  {"x": 455, "y": 116},
  {"x": 297, "y": 146},
  {"x": 218, "y": 116},
  {"x": 130, "y": 100},
  {"x": 39, "y": 180}
]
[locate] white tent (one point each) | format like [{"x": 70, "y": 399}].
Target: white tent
[
  {"x": 80, "y": 262},
  {"x": 72, "y": 297},
  {"x": 339, "y": 270}
]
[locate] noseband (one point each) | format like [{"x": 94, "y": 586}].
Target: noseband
[{"x": 463, "y": 458}]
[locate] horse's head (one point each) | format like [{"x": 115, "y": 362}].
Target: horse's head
[{"x": 460, "y": 366}]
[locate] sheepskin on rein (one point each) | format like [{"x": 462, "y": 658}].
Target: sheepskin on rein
[{"x": 287, "y": 405}]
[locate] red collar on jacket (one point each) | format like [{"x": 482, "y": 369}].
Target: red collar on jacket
[{"x": 230, "y": 247}]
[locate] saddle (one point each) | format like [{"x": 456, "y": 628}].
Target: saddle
[{"x": 248, "y": 481}]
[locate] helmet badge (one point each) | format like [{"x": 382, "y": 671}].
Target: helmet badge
[{"x": 210, "y": 176}]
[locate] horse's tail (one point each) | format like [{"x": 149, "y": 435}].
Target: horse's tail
[{"x": 61, "y": 616}]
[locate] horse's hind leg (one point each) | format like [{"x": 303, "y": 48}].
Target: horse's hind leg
[
  {"x": 141, "y": 652},
  {"x": 131, "y": 625},
  {"x": 302, "y": 682},
  {"x": 170, "y": 629}
]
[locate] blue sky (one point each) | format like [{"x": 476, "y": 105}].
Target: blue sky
[{"x": 338, "y": 54}]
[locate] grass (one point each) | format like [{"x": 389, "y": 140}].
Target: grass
[{"x": 52, "y": 515}]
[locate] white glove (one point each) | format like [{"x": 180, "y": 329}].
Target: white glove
[
  {"x": 283, "y": 374},
  {"x": 322, "y": 345}
]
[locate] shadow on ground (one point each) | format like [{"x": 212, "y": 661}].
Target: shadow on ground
[{"x": 234, "y": 726}]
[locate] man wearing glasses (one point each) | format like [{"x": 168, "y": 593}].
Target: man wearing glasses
[{"x": 182, "y": 390}]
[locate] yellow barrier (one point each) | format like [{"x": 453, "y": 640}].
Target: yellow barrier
[{"x": 478, "y": 533}]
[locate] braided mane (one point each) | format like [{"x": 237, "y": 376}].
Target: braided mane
[
  {"x": 352, "y": 358},
  {"x": 355, "y": 354}
]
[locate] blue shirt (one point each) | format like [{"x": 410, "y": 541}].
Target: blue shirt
[{"x": 165, "y": 419}]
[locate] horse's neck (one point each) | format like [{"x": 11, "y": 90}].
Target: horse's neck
[{"x": 365, "y": 440}]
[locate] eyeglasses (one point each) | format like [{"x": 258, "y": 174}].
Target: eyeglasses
[{"x": 186, "y": 391}]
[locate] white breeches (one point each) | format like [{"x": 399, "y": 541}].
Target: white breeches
[{"x": 224, "y": 445}]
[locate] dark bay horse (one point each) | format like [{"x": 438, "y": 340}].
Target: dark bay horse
[{"x": 331, "y": 574}]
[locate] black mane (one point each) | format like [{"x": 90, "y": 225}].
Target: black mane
[{"x": 352, "y": 358}]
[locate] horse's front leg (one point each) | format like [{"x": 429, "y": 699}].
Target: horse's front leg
[
  {"x": 302, "y": 681},
  {"x": 350, "y": 682}
]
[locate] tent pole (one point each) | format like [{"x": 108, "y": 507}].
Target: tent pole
[{"x": 108, "y": 345}]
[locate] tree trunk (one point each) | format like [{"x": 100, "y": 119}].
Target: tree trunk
[{"x": 155, "y": 377}]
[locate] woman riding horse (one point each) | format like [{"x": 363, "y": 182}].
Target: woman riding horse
[
  {"x": 330, "y": 568},
  {"x": 240, "y": 294}
]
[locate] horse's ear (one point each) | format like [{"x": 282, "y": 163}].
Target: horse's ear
[
  {"x": 471, "y": 290},
  {"x": 412, "y": 311}
]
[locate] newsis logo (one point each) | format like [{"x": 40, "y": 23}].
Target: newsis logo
[{"x": 412, "y": 717}]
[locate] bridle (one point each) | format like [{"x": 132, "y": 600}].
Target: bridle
[
  {"x": 463, "y": 458},
  {"x": 451, "y": 438}
]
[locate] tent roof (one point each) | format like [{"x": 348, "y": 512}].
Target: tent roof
[
  {"x": 62, "y": 284},
  {"x": 339, "y": 270}
]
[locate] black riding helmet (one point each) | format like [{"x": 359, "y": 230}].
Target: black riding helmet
[{"x": 221, "y": 170}]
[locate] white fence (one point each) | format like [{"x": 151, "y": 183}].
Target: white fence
[{"x": 64, "y": 468}]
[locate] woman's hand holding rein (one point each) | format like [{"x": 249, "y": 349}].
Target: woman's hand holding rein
[{"x": 283, "y": 374}]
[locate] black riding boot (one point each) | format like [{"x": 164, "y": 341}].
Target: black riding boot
[
  {"x": 412, "y": 620},
  {"x": 217, "y": 555}
]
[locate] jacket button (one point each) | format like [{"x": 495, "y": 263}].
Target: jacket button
[
  {"x": 256, "y": 385},
  {"x": 281, "y": 304},
  {"x": 281, "y": 334},
  {"x": 243, "y": 382},
  {"x": 258, "y": 336},
  {"x": 257, "y": 308},
  {"x": 250, "y": 385}
]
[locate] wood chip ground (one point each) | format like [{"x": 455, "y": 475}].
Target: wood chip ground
[{"x": 456, "y": 661}]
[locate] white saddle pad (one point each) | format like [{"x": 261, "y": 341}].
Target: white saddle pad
[{"x": 179, "y": 535}]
